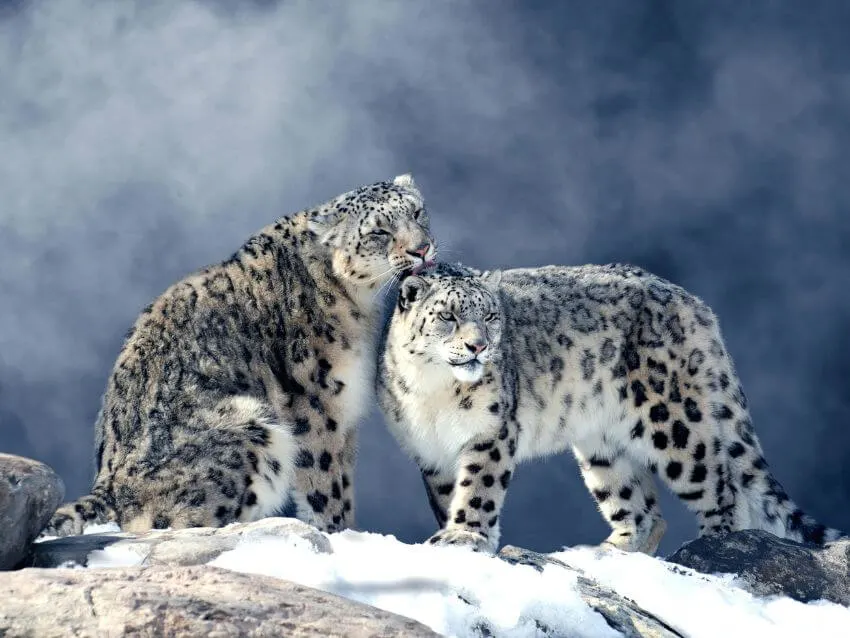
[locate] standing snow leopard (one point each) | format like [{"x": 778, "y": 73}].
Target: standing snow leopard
[
  {"x": 481, "y": 371},
  {"x": 237, "y": 392}
]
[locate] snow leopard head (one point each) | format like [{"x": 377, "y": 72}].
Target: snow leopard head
[
  {"x": 376, "y": 232},
  {"x": 450, "y": 317}
]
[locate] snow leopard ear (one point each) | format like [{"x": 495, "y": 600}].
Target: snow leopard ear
[
  {"x": 325, "y": 224},
  {"x": 492, "y": 278},
  {"x": 405, "y": 181},
  {"x": 412, "y": 289}
]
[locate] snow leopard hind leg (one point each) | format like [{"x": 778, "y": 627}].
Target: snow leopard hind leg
[{"x": 625, "y": 493}]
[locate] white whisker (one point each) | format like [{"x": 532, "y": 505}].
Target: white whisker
[
  {"x": 387, "y": 286},
  {"x": 383, "y": 274}
]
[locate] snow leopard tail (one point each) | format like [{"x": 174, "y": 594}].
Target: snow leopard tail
[
  {"x": 771, "y": 509},
  {"x": 71, "y": 518},
  {"x": 760, "y": 501}
]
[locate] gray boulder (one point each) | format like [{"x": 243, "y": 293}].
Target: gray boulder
[
  {"x": 30, "y": 492},
  {"x": 768, "y": 565},
  {"x": 621, "y": 614},
  {"x": 175, "y": 548},
  {"x": 182, "y": 601}
]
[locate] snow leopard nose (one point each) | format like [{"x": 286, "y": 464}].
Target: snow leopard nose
[
  {"x": 421, "y": 250},
  {"x": 476, "y": 347}
]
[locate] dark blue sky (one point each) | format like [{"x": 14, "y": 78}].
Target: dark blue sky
[{"x": 707, "y": 141}]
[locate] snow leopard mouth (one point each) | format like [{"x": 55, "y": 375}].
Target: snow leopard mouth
[{"x": 470, "y": 364}]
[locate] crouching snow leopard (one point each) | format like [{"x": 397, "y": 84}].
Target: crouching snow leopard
[
  {"x": 480, "y": 371},
  {"x": 236, "y": 393}
]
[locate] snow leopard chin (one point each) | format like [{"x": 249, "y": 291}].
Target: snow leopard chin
[{"x": 469, "y": 372}]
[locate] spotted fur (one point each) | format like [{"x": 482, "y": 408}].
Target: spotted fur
[
  {"x": 237, "y": 392},
  {"x": 481, "y": 371}
]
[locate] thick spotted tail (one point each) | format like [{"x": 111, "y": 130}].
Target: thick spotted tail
[
  {"x": 760, "y": 500},
  {"x": 71, "y": 518},
  {"x": 772, "y": 510}
]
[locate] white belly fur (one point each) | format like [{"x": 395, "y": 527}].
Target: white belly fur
[{"x": 356, "y": 369}]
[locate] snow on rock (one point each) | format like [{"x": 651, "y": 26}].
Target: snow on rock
[
  {"x": 105, "y": 545},
  {"x": 620, "y": 613},
  {"x": 767, "y": 565},
  {"x": 582, "y": 592},
  {"x": 699, "y": 605},
  {"x": 451, "y": 590},
  {"x": 461, "y": 593}
]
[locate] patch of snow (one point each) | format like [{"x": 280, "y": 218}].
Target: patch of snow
[
  {"x": 103, "y": 528},
  {"x": 454, "y": 591},
  {"x": 112, "y": 556}
]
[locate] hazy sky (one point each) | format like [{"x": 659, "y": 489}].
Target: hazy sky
[{"x": 707, "y": 141}]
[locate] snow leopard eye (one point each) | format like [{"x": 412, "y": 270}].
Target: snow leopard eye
[
  {"x": 378, "y": 232},
  {"x": 417, "y": 213},
  {"x": 446, "y": 316},
  {"x": 491, "y": 317}
]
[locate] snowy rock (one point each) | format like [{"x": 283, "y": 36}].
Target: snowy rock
[
  {"x": 29, "y": 494},
  {"x": 620, "y": 613},
  {"x": 182, "y": 601},
  {"x": 767, "y": 565},
  {"x": 582, "y": 592},
  {"x": 194, "y": 546}
]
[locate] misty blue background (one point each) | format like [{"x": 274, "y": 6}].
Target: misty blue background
[{"x": 708, "y": 141}]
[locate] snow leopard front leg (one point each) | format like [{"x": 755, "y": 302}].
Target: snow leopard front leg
[
  {"x": 484, "y": 471},
  {"x": 440, "y": 487}
]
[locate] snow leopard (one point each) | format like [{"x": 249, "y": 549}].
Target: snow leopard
[
  {"x": 237, "y": 392},
  {"x": 480, "y": 371}
]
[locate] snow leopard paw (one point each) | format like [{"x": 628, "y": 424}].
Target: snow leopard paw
[{"x": 475, "y": 541}]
